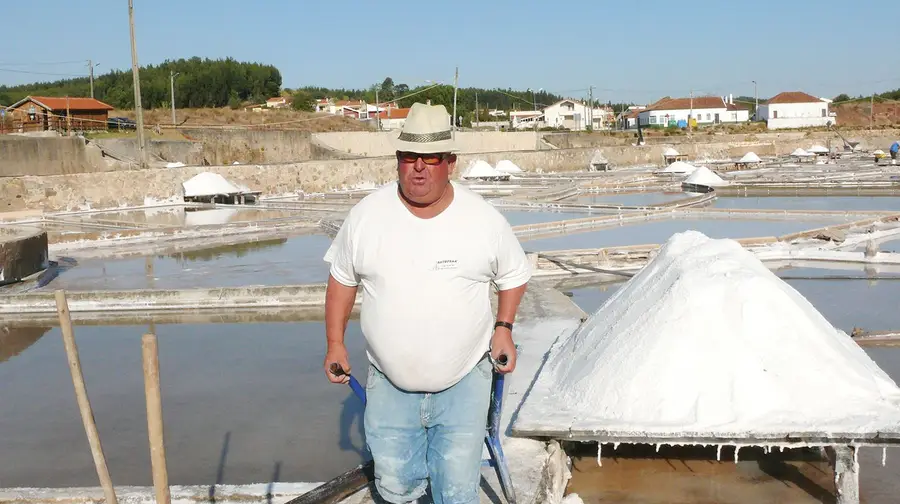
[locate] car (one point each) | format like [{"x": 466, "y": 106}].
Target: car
[{"x": 120, "y": 123}]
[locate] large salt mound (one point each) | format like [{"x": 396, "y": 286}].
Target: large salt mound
[
  {"x": 680, "y": 167},
  {"x": 799, "y": 152},
  {"x": 750, "y": 157},
  {"x": 507, "y": 166},
  {"x": 480, "y": 168},
  {"x": 818, "y": 149},
  {"x": 208, "y": 184},
  {"x": 703, "y": 176},
  {"x": 706, "y": 342}
]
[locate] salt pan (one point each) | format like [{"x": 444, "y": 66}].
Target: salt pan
[
  {"x": 209, "y": 184},
  {"x": 507, "y": 166},
  {"x": 704, "y": 177},
  {"x": 750, "y": 157},
  {"x": 705, "y": 341},
  {"x": 680, "y": 167}
]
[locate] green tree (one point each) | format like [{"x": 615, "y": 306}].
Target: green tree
[{"x": 304, "y": 100}]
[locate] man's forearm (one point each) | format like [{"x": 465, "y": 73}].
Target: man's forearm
[
  {"x": 339, "y": 300},
  {"x": 508, "y": 303}
]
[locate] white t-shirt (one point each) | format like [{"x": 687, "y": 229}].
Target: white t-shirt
[{"x": 426, "y": 312}]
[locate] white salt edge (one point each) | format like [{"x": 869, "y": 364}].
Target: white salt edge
[
  {"x": 706, "y": 341},
  {"x": 799, "y": 152},
  {"x": 572, "y": 498},
  {"x": 703, "y": 176},
  {"x": 208, "y": 184}
]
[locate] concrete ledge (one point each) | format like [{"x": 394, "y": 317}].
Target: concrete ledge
[{"x": 23, "y": 252}]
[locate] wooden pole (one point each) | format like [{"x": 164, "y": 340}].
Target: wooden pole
[
  {"x": 150, "y": 351},
  {"x": 84, "y": 404}
]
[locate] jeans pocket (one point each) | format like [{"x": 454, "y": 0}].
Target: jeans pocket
[
  {"x": 372, "y": 377},
  {"x": 485, "y": 368}
]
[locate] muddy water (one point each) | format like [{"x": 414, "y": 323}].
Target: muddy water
[
  {"x": 238, "y": 400},
  {"x": 280, "y": 261},
  {"x": 885, "y": 203},
  {"x": 660, "y": 231}
]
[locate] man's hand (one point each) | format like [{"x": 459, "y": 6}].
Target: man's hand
[
  {"x": 337, "y": 354},
  {"x": 502, "y": 344}
]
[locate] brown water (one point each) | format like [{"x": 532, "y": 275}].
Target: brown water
[{"x": 239, "y": 400}]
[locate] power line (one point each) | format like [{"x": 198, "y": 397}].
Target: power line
[
  {"x": 39, "y": 63},
  {"x": 12, "y": 70}
]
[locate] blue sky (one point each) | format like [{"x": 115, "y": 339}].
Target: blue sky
[{"x": 628, "y": 50}]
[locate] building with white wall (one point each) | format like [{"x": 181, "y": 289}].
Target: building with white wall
[
  {"x": 795, "y": 109},
  {"x": 700, "y": 110},
  {"x": 526, "y": 119},
  {"x": 576, "y": 116}
]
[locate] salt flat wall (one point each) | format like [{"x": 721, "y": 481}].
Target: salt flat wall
[
  {"x": 374, "y": 143},
  {"x": 20, "y": 155},
  {"x": 184, "y": 151}
]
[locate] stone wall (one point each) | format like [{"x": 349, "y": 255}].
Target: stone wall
[
  {"x": 184, "y": 151},
  {"x": 21, "y": 155},
  {"x": 374, "y": 144},
  {"x": 23, "y": 252}
]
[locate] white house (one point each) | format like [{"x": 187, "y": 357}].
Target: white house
[
  {"x": 700, "y": 109},
  {"x": 628, "y": 119},
  {"x": 525, "y": 119},
  {"x": 392, "y": 118},
  {"x": 575, "y": 116},
  {"x": 795, "y": 109},
  {"x": 279, "y": 102}
]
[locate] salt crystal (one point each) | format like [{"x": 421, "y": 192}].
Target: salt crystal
[
  {"x": 883, "y": 456},
  {"x": 479, "y": 169},
  {"x": 737, "y": 450},
  {"x": 718, "y": 453},
  {"x": 706, "y": 339}
]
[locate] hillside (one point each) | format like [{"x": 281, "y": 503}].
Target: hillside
[
  {"x": 225, "y": 116},
  {"x": 857, "y": 113}
]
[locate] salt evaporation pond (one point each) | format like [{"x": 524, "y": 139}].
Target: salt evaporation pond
[
  {"x": 187, "y": 217},
  {"x": 251, "y": 395},
  {"x": 658, "y": 231},
  {"x": 281, "y": 261},
  {"x": 885, "y": 203},
  {"x": 628, "y": 199},
  {"x": 521, "y": 217}
]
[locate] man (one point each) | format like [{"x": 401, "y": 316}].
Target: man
[
  {"x": 425, "y": 250},
  {"x": 894, "y": 148}
]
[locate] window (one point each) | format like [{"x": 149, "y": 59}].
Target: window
[
  {"x": 774, "y": 114},
  {"x": 824, "y": 113},
  {"x": 652, "y": 119},
  {"x": 708, "y": 117}
]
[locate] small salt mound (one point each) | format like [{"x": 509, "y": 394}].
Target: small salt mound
[
  {"x": 208, "y": 184},
  {"x": 705, "y": 341},
  {"x": 176, "y": 164},
  {"x": 878, "y": 152},
  {"x": 598, "y": 158},
  {"x": 507, "y": 166},
  {"x": 704, "y": 177},
  {"x": 680, "y": 167},
  {"x": 670, "y": 152},
  {"x": 818, "y": 149},
  {"x": 750, "y": 157},
  {"x": 799, "y": 152},
  {"x": 480, "y": 168}
]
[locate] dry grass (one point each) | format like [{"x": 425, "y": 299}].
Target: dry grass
[
  {"x": 858, "y": 114},
  {"x": 279, "y": 118}
]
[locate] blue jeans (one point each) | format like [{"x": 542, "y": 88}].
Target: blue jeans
[{"x": 414, "y": 437}]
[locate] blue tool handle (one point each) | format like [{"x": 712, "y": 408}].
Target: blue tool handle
[{"x": 358, "y": 389}]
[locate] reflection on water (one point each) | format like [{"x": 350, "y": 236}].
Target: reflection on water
[
  {"x": 293, "y": 260},
  {"x": 660, "y": 231},
  {"x": 259, "y": 386},
  {"x": 886, "y": 203},
  {"x": 14, "y": 340}
]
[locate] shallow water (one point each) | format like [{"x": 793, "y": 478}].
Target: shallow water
[
  {"x": 186, "y": 217},
  {"x": 629, "y": 199},
  {"x": 520, "y": 217},
  {"x": 885, "y": 203},
  {"x": 253, "y": 396},
  {"x": 659, "y": 231},
  {"x": 280, "y": 261}
]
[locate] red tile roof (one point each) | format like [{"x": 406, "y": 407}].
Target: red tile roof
[
  {"x": 57, "y": 103},
  {"x": 394, "y": 113},
  {"x": 794, "y": 97},
  {"x": 699, "y": 102}
]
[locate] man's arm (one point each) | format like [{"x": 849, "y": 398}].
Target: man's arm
[
  {"x": 339, "y": 300},
  {"x": 512, "y": 274}
]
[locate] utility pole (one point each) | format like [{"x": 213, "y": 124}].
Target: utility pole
[
  {"x": 172, "y": 76},
  {"x": 872, "y": 111},
  {"x": 377, "y": 111},
  {"x": 691, "y": 114},
  {"x": 591, "y": 109},
  {"x": 91, "y": 66},
  {"x": 68, "y": 118},
  {"x": 455, "y": 89},
  {"x": 756, "y": 99},
  {"x": 139, "y": 116},
  {"x": 476, "y": 107}
]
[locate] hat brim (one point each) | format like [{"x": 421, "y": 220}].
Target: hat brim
[{"x": 424, "y": 148}]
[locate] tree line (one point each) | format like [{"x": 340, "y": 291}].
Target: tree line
[{"x": 199, "y": 83}]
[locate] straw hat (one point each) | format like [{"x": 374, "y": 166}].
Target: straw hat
[{"x": 426, "y": 130}]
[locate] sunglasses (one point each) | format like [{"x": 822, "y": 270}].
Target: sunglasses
[{"x": 412, "y": 157}]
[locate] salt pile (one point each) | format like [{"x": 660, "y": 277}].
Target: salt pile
[
  {"x": 704, "y": 177},
  {"x": 818, "y": 149},
  {"x": 507, "y": 166},
  {"x": 480, "y": 169},
  {"x": 799, "y": 152},
  {"x": 750, "y": 157},
  {"x": 670, "y": 152},
  {"x": 680, "y": 167},
  {"x": 209, "y": 184},
  {"x": 705, "y": 341},
  {"x": 176, "y": 164}
]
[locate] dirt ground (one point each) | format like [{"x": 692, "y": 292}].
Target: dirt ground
[
  {"x": 286, "y": 119},
  {"x": 858, "y": 114},
  {"x": 637, "y": 474}
]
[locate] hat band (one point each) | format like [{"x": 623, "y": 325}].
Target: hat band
[{"x": 425, "y": 137}]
